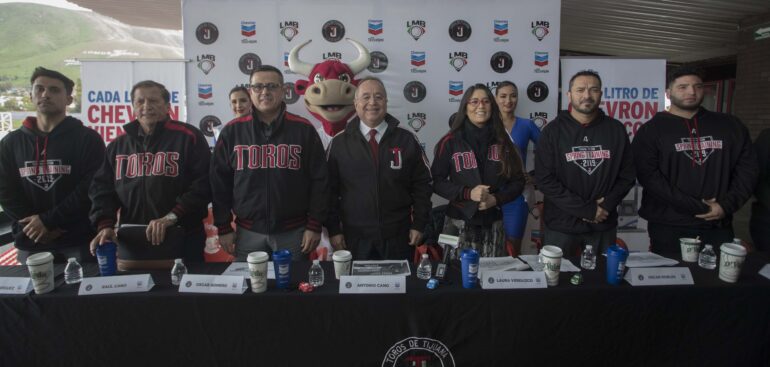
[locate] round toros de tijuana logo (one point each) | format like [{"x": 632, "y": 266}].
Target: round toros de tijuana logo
[
  {"x": 248, "y": 62},
  {"x": 290, "y": 96},
  {"x": 207, "y": 33},
  {"x": 415, "y": 91},
  {"x": 460, "y": 30},
  {"x": 333, "y": 31},
  {"x": 501, "y": 62},
  {"x": 379, "y": 62},
  {"x": 207, "y": 124},
  {"x": 430, "y": 352},
  {"x": 537, "y": 91}
]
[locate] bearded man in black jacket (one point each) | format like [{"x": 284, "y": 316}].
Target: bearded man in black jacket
[
  {"x": 584, "y": 168},
  {"x": 696, "y": 167}
]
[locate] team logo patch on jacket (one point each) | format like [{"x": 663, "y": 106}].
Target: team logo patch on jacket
[
  {"x": 700, "y": 151},
  {"x": 588, "y": 158},
  {"x": 395, "y": 162},
  {"x": 44, "y": 174}
]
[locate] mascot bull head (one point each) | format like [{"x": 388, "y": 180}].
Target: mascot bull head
[{"x": 330, "y": 87}]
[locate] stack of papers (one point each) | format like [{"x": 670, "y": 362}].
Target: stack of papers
[
  {"x": 648, "y": 259},
  {"x": 506, "y": 263},
  {"x": 381, "y": 267}
]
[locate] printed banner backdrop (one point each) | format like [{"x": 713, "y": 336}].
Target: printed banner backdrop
[
  {"x": 633, "y": 90},
  {"x": 107, "y": 91},
  {"x": 427, "y": 53}
]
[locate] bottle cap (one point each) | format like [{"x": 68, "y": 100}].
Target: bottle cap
[
  {"x": 72, "y": 260},
  {"x": 424, "y": 256},
  {"x": 316, "y": 262},
  {"x": 178, "y": 261},
  {"x": 589, "y": 247}
]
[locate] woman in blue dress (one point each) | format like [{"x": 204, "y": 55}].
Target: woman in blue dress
[{"x": 522, "y": 131}]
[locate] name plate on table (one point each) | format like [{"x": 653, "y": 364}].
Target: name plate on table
[
  {"x": 371, "y": 284},
  {"x": 115, "y": 284},
  {"x": 13, "y": 285},
  {"x": 218, "y": 284},
  {"x": 659, "y": 276},
  {"x": 513, "y": 279}
]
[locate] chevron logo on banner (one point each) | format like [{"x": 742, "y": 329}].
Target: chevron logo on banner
[
  {"x": 248, "y": 29},
  {"x": 375, "y": 26},
  {"x": 418, "y": 58},
  {"x": 455, "y": 88},
  {"x": 541, "y": 59},
  {"x": 205, "y": 91},
  {"x": 501, "y": 27}
]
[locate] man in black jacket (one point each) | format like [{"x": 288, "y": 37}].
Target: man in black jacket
[
  {"x": 46, "y": 167},
  {"x": 156, "y": 174},
  {"x": 379, "y": 180},
  {"x": 584, "y": 168},
  {"x": 696, "y": 167},
  {"x": 269, "y": 169}
]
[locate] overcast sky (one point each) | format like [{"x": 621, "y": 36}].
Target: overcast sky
[{"x": 57, "y": 3}]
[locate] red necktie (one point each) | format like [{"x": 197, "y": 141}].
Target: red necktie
[{"x": 373, "y": 144}]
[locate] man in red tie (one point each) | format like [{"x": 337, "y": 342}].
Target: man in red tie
[{"x": 380, "y": 182}]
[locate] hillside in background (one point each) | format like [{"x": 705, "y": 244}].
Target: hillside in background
[{"x": 37, "y": 35}]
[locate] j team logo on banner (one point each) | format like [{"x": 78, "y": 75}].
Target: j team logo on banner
[
  {"x": 415, "y": 91},
  {"x": 537, "y": 91},
  {"x": 458, "y": 60},
  {"x": 378, "y": 63},
  {"x": 207, "y": 33},
  {"x": 416, "y": 28},
  {"x": 289, "y": 29},
  {"x": 501, "y": 62},
  {"x": 206, "y": 63},
  {"x": 248, "y": 62},
  {"x": 460, "y": 30},
  {"x": 207, "y": 125},
  {"x": 333, "y": 31},
  {"x": 290, "y": 96}
]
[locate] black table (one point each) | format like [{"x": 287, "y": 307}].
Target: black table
[{"x": 711, "y": 323}]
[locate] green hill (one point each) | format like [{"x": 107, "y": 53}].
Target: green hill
[{"x": 37, "y": 35}]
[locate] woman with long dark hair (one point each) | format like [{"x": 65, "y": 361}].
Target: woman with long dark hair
[
  {"x": 476, "y": 167},
  {"x": 521, "y": 131}
]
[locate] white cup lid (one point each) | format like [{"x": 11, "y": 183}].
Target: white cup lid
[
  {"x": 39, "y": 258},
  {"x": 257, "y": 257},
  {"x": 690, "y": 241},
  {"x": 733, "y": 249},
  {"x": 551, "y": 251},
  {"x": 342, "y": 255}
]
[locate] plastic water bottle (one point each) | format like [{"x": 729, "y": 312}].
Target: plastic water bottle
[
  {"x": 178, "y": 271},
  {"x": 588, "y": 258},
  {"x": 707, "y": 258},
  {"x": 425, "y": 269},
  {"x": 315, "y": 275},
  {"x": 73, "y": 272}
]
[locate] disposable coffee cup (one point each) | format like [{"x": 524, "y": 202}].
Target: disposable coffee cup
[
  {"x": 282, "y": 268},
  {"x": 40, "y": 267},
  {"x": 731, "y": 261},
  {"x": 342, "y": 260},
  {"x": 551, "y": 256},
  {"x": 690, "y": 249},
  {"x": 258, "y": 270}
]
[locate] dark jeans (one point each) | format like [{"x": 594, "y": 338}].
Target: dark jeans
[
  {"x": 394, "y": 248},
  {"x": 664, "y": 239},
  {"x": 572, "y": 244},
  {"x": 759, "y": 226}
]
